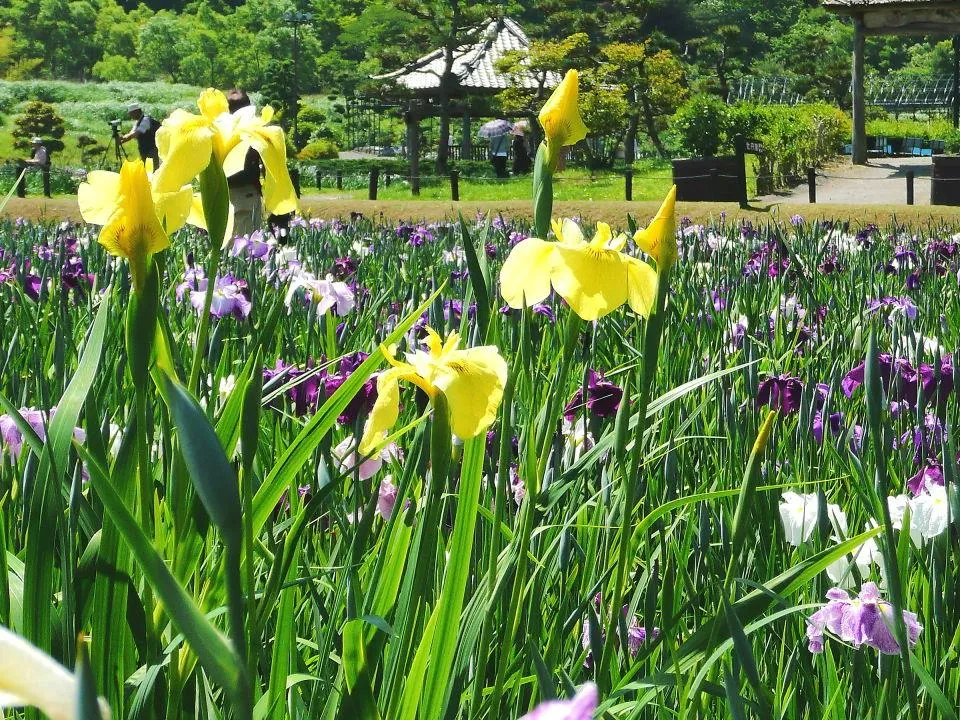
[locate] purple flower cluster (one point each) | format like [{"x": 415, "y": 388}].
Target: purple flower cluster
[
  {"x": 864, "y": 620},
  {"x": 603, "y": 398},
  {"x": 905, "y": 384},
  {"x": 780, "y": 392},
  {"x": 319, "y": 385}
]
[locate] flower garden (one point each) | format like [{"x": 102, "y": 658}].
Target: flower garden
[{"x": 471, "y": 469}]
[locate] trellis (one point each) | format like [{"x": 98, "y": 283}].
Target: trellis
[
  {"x": 902, "y": 94},
  {"x": 769, "y": 90}
]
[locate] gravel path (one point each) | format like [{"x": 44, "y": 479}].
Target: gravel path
[{"x": 882, "y": 181}]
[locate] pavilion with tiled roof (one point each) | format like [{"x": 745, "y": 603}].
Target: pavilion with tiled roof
[
  {"x": 474, "y": 79},
  {"x": 894, "y": 17}
]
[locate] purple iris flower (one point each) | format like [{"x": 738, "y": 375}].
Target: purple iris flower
[
  {"x": 930, "y": 474},
  {"x": 637, "y": 634},
  {"x": 927, "y": 438},
  {"x": 897, "y": 376},
  {"x": 362, "y": 403},
  {"x": 254, "y": 245},
  {"x": 780, "y": 392},
  {"x": 31, "y": 286},
  {"x": 305, "y": 394},
  {"x": 603, "y": 398},
  {"x": 343, "y": 267},
  {"x": 230, "y": 297},
  {"x": 893, "y": 306},
  {"x": 834, "y": 420},
  {"x": 937, "y": 385},
  {"x": 864, "y": 620}
]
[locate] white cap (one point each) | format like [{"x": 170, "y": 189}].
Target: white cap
[
  {"x": 36, "y": 141},
  {"x": 133, "y": 107}
]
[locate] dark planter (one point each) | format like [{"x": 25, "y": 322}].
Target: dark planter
[{"x": 945, "y": 180}]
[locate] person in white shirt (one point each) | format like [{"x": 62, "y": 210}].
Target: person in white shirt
[
  {"x": 40, "y": 159},
  {"x": 40, "y": 156},
  {"x": 144, "y": 130}
]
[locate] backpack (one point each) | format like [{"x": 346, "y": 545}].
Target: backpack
[{"x": 147, "y": 142}]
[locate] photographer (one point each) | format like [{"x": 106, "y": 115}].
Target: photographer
[{"x": 145, "y": 131}]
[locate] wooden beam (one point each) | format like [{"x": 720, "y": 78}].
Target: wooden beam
[
  {"x": 859, "y": 104},
  {"x": 912, "y": 21}
]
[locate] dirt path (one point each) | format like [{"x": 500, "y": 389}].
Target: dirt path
[{"x": 882, "y": 181}]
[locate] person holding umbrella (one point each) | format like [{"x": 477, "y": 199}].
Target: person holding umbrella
[
  {"x": 522, "y": 161},
  {"x": 498, "y": 133}
]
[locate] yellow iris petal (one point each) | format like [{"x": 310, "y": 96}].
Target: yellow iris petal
[
  {"x": 659, "y": 238},
  {"x": 98, "y": 196},
  {"x": 567, "y": 231},
  {"x": 472, "y": 382},
  {"x": 185, "y": 142},
  {"x": 279, "y": 197},
  {"x": 560, "y": 116},
  {"x": 592, "y": 280},
  {"x": 212, "y": 104},
  {"x": 526, "y": 273},
  {"x": 642, "y": 280},
  {"x": 173, "y": 208},
  {"x": 385, "y": 410},
  {"x": 134, "y": 231},
  {"x": 196, "y": 217}
]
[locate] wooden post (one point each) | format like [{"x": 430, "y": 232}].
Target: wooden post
[
  {"x": 45, "y": 172},
  {"x": 466, "y": 142},
  {"x": 956, "y": 81},
  {"x": 859, "y": 103},
  {"x": 740, "y": 147},
  {"x": 374, "y": 179},
  {"x": 21, "y": 180},
  {"x": 910, "y": 187},
  {"x": 628, "y": 184},
  {"x": 319, "y": 178},
  {"x": 454, "y": 185},
  {"x": 412, "y": 119},
  {"x": 339, "y": 179},
  {"x": 812, "y": 185},
  {"x": 386, "y": 179}
]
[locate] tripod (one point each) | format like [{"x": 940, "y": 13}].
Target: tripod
[{"x": 119, "y": 151}]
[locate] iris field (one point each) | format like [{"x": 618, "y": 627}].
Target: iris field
[{"x": 475, "y": 469}]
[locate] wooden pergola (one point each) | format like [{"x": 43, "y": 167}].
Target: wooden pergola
[{"x": 894, "y": 17}]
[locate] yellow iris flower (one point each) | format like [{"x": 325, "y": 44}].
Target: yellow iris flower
[
  {"x": 560, "y": 116},
  {"x": 595, "y": 278},
  {"x": 31, "y": 677},
  {"x": 659, "y": 238},
  {"x": 471, "y": 380},
  {"x": 187, "y": 142},
  {"x": 136, "y": 217}
]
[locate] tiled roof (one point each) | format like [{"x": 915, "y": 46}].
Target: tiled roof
[
  {"x": 473, "y": 65},
  {"x": 880, "y": 4}
]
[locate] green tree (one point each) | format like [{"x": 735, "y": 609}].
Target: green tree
[
  {"x": 39, "y": 119},
  {"x": 815, "y": 52},
  {"x": 653, "y": 83}
]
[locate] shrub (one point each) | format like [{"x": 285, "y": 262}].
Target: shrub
[
  {"x": 702, "y": 125},
  {"x": 319, "y": 150},
  {"x": 41, "y": 119}
]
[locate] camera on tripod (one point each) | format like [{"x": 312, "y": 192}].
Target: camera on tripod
[{"x": 115, "y": 125}]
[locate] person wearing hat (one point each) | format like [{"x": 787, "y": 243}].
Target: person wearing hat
[
  {"x": 40, "y": 159},
  {"x": 246, "y": 189},
  {"x": 144, "y": 130}
]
